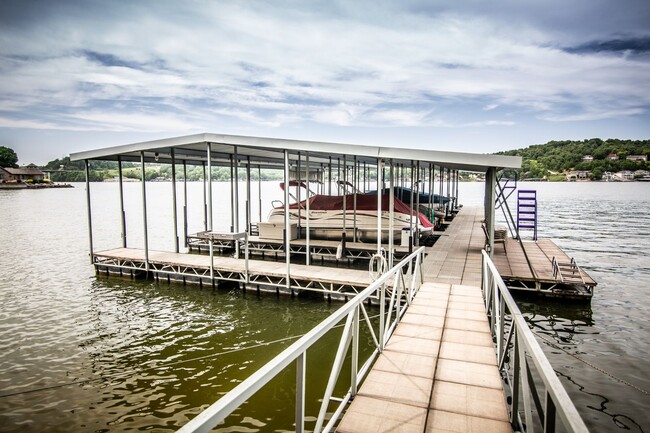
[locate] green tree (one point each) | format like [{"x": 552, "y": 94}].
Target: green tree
[{"x": 8, "y": 157}]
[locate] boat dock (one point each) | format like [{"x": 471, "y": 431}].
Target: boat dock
[{"x": 434, "y": 367}]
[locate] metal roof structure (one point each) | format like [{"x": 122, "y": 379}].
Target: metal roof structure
[{"x": 269, "y": 152}]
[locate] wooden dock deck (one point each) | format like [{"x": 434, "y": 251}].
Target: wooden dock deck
[
  {"x": 512, "y": 265},
  {"x": 456, "y": 258}
]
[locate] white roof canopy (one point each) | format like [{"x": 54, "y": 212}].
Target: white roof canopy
[{"x": 269, "y": 152}]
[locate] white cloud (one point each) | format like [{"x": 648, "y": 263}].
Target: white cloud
[{"x": 344, "y": 65}]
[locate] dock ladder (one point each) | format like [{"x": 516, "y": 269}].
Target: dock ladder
[
  {"x": 567, "y": 273},
  {"x": 527, "y": 211}
]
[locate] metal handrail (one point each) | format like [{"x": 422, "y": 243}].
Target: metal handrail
[
  {"x": 556, "y": 269},
  {"x": 515, "y": 351},
  {"x": 406, "y": 279}
]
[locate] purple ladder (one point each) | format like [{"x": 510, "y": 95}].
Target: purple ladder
[{"x": 527, "y": 211}]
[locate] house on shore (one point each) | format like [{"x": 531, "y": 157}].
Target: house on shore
[
  {"x": 573, "y": 176},
  {"x": 638, "y": 158},
  {"x": 21, "y": 174},
  {"x": 623, "y": 176}
]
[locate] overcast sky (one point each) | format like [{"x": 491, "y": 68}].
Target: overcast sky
[{"x": 470, "y": 76}]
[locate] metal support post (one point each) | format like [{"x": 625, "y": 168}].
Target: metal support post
[
  {"x": 307, "y": 199},
  {"x": 287, "y": 232},
  {"x": 329, "y": 177},
  {"x": 442, "y": 176},
  {"x": 354, "y": 368},
  {"x": 174, "y": 210},
  {"x": 185, "y": 203},
  {"x": 90, "y": 218},
  {"x": 391, "y": 207},
  {"x": 144, "y": 213},
  {"x": 355, "y": 183},
  {"x": 205, "y": 203},
  {"x": 301, "y": 368},
  {"x": 379, "y": 193},
  {"x": 345, "y": 196},
  {"x": 490, "y": 197},
  {"x": 417, "y": 205},
  {"x": 248, "y": 194},
  {"x": 210, "y": 226},
  {"x": 259, "y": 191},
  {"x": 122, "y": 213}
]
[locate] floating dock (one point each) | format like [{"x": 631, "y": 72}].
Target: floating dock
[
  {"x": 256, "y": 274},
  {"x": 524, "y": 266},
  {"x": 537, "y": 274}
]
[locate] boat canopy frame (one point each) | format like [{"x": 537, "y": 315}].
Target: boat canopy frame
[{"x": 210, "y": 150}]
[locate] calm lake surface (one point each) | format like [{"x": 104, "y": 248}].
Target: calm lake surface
[{"x": 81, "y": 353}]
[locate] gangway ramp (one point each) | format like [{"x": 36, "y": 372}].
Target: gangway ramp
[{"x": 438, "y": 372}]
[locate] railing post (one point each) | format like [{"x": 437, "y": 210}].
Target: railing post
[
  {"x": 525, "y": 389},
  {"x": 382, "y": 316},
  {"x": 516, "y": 386},
  {"x": 500, "y": 339},
  {"x": 355, "y": 353},
  {"x": 549, "y": 414},
  {"x": 301, "y": 367}
]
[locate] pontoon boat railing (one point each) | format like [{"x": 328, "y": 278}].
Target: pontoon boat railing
[
  {"x": 518, "y": 353},
  {"x": 399, "y": 284}
]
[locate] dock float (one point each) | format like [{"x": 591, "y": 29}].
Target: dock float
[
  {"x": 196, "y": 268},
  {"x": 438, "y": 372},
  {"x": 537, "y": 274},
  {"x": 456, "y": 258}
]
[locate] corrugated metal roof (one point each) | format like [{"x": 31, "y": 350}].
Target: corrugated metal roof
[{"x": 268, "y": 152}]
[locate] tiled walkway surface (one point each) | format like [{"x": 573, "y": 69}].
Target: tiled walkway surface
[
  {"x": 438, "y": 372},
  {"x": 456, "y": 257}
]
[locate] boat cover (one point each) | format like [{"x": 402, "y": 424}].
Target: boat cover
[{"x": 364, "y": 202}]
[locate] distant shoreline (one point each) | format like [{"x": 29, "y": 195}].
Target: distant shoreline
[{"x": 10, "y": 186}]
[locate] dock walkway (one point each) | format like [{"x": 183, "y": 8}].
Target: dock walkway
[{"x": 438, "y": 372}]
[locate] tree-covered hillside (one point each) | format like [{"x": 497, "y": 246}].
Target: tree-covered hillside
[{"x": 540, "y": 160}]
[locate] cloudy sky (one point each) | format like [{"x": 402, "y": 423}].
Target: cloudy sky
[{"x": 470, "y": 76}]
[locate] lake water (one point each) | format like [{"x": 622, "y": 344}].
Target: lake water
[{"x": 81, "y": 353}]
